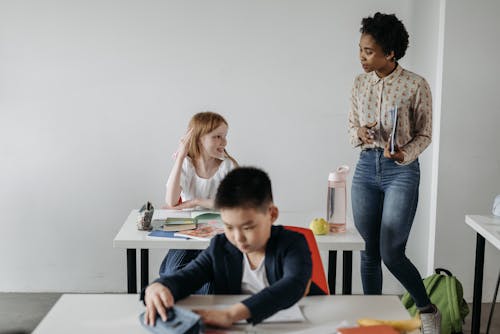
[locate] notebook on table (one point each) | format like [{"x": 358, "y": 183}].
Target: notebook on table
[{"x": 205, "y": 230}]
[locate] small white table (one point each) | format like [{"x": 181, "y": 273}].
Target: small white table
[
  {"x": 130, "y": 238},
  {"x": 486, "y": 227},
  {"x": 119, "y": 313}
]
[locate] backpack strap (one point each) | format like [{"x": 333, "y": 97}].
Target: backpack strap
[
  {"x": 442, "y": 270},
  {"x": 455, "y": 301}
]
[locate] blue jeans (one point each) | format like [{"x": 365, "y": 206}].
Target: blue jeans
[
  {"x": 384, "y": 201},
  {"x": 176, "y": 259}
]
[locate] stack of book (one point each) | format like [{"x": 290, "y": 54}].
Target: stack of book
[
  {"x": 192, "y": 224},
  {"x": 175, "y": 224}
]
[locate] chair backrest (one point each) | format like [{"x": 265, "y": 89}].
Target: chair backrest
[{"x": 319, "y": 284}]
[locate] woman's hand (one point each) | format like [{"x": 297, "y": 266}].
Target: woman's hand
[
  {"x": 366, "y": 134},
  {"x": 398, "y": 154},
  {"x": 157, "y": 298}
]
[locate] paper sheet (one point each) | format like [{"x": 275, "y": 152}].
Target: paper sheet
[{"x": 291, "y": 314}]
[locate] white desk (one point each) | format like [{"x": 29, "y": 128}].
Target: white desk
[
  {"x": 118, "y": 313},
  {"x": 130, "y": 238},
  {"x": 486, "y": 227}
]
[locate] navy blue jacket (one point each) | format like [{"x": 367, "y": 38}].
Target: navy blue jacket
[{"x": 288, "y": 268}]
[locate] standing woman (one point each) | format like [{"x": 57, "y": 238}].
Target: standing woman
[{"x": 385, "y": 185}]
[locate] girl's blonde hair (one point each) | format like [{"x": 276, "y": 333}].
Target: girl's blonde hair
[{"x": 203, "y": 123}]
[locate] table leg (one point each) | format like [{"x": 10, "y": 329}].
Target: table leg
[
  {"x": 493, "y": 303},
  {"x": 131, "y": 271},
  {"x": 478, "y": 285},
  {"x": 332, "y": 270},
  {"x": 347, "y": 273},
  {"x": 144, "y": 268}
]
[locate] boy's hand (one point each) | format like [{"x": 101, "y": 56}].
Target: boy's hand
[
  {"x": 366, "y": 134},
  {"x": 216, "y": 318},
  {"x": 157, "y": 298},
  {"x": 226, "y": 317},
  {"x": 398, "y": 153}
]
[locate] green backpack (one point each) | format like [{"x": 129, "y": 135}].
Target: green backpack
[{"x": 446, "y": 292}]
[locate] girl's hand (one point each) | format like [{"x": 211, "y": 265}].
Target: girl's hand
[
  {"x": 184, "y": 142},
  {"x": 217, "y": 318},
  {"x": 397, "y": 155},
  {"x": 366, "y": 134},
  {"x": 193, "y": 203},
  {"x": 157, "y": 298}
]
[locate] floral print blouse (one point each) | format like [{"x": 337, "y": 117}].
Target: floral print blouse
[{"x": 374, "y": 97}]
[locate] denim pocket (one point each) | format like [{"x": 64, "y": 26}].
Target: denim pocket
[{"x": 414, "y": 165}]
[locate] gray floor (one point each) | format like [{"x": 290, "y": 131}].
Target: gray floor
[
  {"x": 485, "y": 312},
  {"x": 20, "y": 313}
]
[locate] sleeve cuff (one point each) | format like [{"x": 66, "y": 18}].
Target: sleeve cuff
[{"x": 405, "y": 161}]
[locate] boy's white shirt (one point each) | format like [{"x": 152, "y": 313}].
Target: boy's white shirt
[
  {"x": 194, "y": 186},
  {"x": 255, "y": 280}
]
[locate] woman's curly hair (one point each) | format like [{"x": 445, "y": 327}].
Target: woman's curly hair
[{"x": 388, "y": 31}]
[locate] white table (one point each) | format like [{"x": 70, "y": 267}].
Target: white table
[
  {"x": 486, "y": 227},
  {"x": 118, "y": 313},
  {"x": 130, "y": 238}
]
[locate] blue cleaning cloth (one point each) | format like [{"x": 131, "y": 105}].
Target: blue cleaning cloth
[{"x": 180, "y": 321}]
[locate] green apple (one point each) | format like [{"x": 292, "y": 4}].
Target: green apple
[{"x": 319, "y": 226}]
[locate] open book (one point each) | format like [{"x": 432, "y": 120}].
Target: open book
[
  {"x": 205, "y": 230},
  {"x": 180, "y": 220},
  {"x": 163, "y": 214}
]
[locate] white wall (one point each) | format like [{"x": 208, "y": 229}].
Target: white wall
[
  {"x": 469, "y": 173},
  {"x": 94, "y": 96},
  {"x": 425, "y": 19}
]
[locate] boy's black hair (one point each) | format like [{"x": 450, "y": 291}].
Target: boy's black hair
[
  {"x": 388, "y": 31},
  {"x": 244, "y": 187}
]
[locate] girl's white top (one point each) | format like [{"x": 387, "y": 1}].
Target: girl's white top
[{"x": 194, "y": 186}]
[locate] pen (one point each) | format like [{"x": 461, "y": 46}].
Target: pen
[{"x": 394, "y": 115}]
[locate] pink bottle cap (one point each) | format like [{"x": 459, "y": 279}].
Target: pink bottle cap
[{"x": 339, "y": 174}]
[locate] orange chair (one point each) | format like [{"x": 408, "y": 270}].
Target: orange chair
[{"x": 319, "y": 284}]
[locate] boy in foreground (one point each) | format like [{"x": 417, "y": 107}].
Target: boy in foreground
[{"x": 253, "y": 257}]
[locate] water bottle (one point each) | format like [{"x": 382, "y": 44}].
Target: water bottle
[{"x": 337, "y": 199}]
